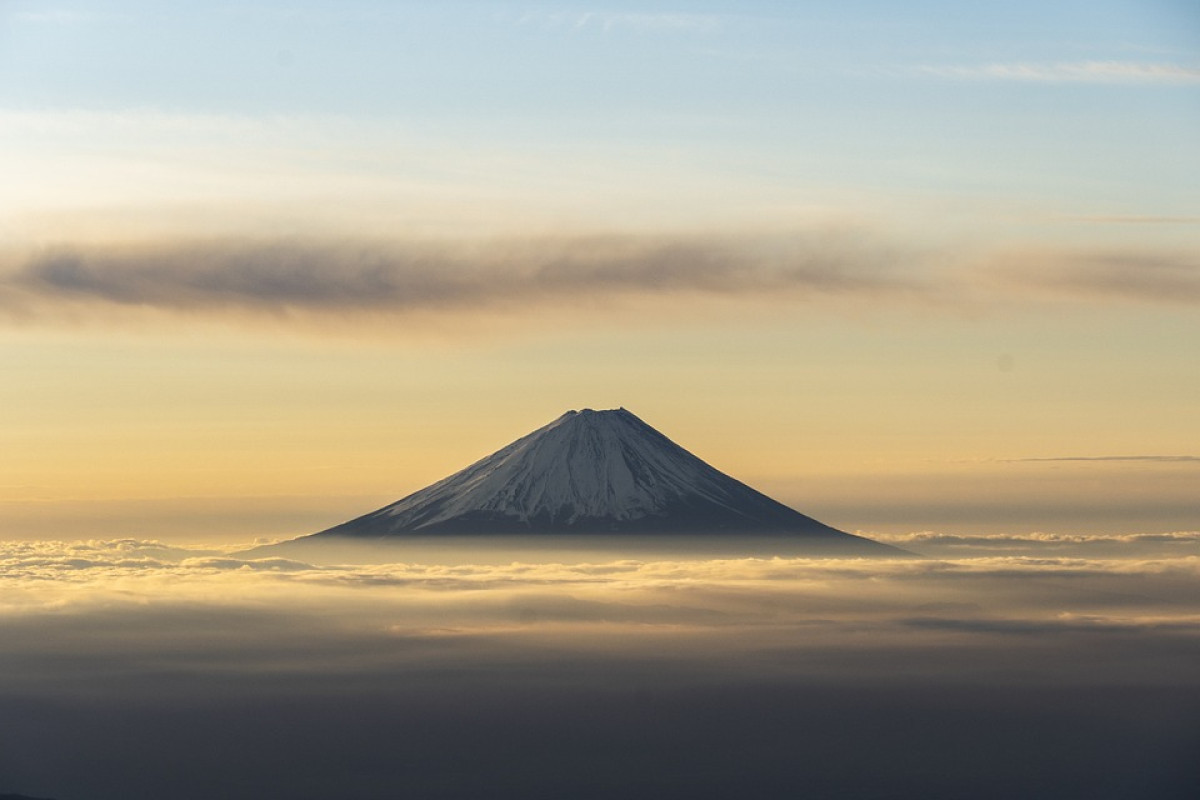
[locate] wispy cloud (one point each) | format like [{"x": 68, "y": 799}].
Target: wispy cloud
[
  {"x": 53, "y": 16},
  {"x": 637, "y": 22},
  {"x": 1160, "y": 459},
  {"x": 1144, "y": 276},
  {"x": 1133, "y": 219},
  {"x": 1110, "y": 72},
  {"x": 76, "y": 122}
]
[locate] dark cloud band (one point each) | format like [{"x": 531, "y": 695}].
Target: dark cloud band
[
  {"x": 341, "y": 277},
  {"x": 304, "y": 280}
]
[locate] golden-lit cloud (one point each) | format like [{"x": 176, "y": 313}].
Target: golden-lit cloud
[
  {"x": 1059, "y": 545},
  {"x": 136, "y": 567}
]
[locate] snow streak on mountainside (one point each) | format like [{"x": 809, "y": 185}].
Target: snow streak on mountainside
[{"x": 588, "y": 472}]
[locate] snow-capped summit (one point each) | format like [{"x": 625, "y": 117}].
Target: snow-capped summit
[{"x": 587, "y": 472}]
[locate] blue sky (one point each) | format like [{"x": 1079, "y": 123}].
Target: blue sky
[{"x": 1078, "y": 108}]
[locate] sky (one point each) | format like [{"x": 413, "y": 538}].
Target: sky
[{"x": 906, "y": 267}]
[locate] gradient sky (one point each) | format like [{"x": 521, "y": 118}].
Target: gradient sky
[{"x": 265, "y": 266}]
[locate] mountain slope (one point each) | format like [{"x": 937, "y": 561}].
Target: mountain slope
[{"x": 593, "y": 472}]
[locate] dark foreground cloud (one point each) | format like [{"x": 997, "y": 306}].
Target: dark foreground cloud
[{"x": 134, "y": 670}]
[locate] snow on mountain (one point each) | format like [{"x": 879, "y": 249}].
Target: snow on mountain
[{"x": 586, "y": 472}]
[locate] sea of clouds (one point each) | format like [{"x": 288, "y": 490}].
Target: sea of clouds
[{"x": 1043, "y": 665}]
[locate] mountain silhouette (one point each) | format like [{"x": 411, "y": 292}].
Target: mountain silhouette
[{"x": 590, "y": 472}]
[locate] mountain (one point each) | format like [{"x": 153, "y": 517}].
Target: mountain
[{"x": 590, "y": 472}]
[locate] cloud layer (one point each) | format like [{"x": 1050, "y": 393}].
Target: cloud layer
[{"x": 135, "y": 668}]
